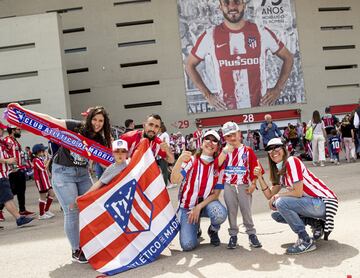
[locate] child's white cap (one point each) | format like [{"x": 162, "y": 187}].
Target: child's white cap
[
  {"x": 229, "y": 128},
  {"x": 119, "y": 144}
]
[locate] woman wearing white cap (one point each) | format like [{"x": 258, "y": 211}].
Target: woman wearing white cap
[
  {"x": 307, "y": 199},
  {"x": 199, "y": 191}
]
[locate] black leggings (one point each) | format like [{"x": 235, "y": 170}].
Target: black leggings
[
  {"x": 164, "y": 170},
  {"x": 18, "y": 188}
]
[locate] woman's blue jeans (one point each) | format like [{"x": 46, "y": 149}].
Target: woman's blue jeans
[
  {"x": 188, "y": 232},
  {"x": 68, "y": 184},
  {"x": 290, "y": 210}
]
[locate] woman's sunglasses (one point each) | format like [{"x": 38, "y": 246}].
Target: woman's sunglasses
[
  {"x": 120, "y": 151},
  {"x": 212, "y": 140},
  {"x": 274, "y": 148}
]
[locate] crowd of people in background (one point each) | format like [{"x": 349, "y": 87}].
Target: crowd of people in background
[{"x": 331, "y": 136}]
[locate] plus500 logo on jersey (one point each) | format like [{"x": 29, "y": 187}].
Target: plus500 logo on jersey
[{"x": 239, "y": 62}]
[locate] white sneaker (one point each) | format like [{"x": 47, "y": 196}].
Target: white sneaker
[
  {"x": 44, "y": 217},
  {"x": 49, "y": 213},
  {"x": 322, "y": 164},
  {"x": 171, "y": 185},
  {"x": 314, "y": 163}
]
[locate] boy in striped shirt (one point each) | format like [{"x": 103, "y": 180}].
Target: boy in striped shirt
[
  {"x": 239, "y": 162},
  {"x": 42, "y": 182}
]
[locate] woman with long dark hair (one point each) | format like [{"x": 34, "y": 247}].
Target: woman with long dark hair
[
  {"x": 70, "y": 175},
  {"x": 307, "y": 200},
  {"x": 319, "y": 139},
  {"x": 198, "y": 175}
]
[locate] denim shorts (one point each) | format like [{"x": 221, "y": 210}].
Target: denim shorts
[{"x": 5, "y": 191}]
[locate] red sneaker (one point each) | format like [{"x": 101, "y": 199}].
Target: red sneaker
[
  {"x": 26, "y": 213},
  {"x": 2, "y": 218}
]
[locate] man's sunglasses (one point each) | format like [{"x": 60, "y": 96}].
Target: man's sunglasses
[
  {"x": 274, "y": 148},
  {"x": 212, "y": 140}
]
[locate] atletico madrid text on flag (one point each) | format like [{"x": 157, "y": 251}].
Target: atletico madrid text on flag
[{"x": 129, "y": 222}]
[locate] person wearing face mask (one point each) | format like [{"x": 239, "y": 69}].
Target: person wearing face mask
[
  {"x": 17, "y": 175},
  {"x": 70, "y": 171},
  {"x": 151, "y": 129},
  {"x": 239, "y": 180},
  {"x": 199, "y": 192},
  {"x": 306, "y": 201}
]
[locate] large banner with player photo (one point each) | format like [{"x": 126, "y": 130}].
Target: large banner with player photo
[{"x": 239, "y": 68}]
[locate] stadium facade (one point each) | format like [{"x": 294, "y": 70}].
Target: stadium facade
[{"x": 61, "y": 57}]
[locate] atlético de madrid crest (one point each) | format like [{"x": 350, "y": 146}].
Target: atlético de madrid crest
[
  {"x": 130, "y": 208},
  {"x": 252, "y": 42}
]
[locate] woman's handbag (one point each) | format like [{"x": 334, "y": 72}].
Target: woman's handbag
[{"x": 309, "y": 133}]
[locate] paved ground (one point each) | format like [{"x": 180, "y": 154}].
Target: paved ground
[{"x": 43, "y": 251}]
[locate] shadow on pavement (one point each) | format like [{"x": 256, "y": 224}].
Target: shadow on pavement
[
  {"x": 180, "y": 262},
  {"x": 328, "y": 254},
  {"x": 73, "y": 270}
]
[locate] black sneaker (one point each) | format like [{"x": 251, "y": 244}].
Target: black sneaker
[
  {"x": 318, "y": 229},
  {"x": 23, "y": 220},
  {"x": 214, "y": 237},
  {"x": 78, "y": 256},
  {"x": 232, "y": 242},
  {"x": 1, "y": 228},
  {"x": 199, "y": 232},
  {"x": 254, "y": 242}
]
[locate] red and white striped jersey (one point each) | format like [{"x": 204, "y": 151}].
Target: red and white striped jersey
[
  {"x": 197, "y": 136},
  {"x": 239, "y": 59},
  {"x": 239, "y": 166},
  {"x": 133, "y": 139},
  {"x": 41, "y": 175},
  {"x": 4, "y": 168},
  {"x": 200, "y": 180},
  {"x": 15, "y": 151},
  {"x": 312, "y": 186}
]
